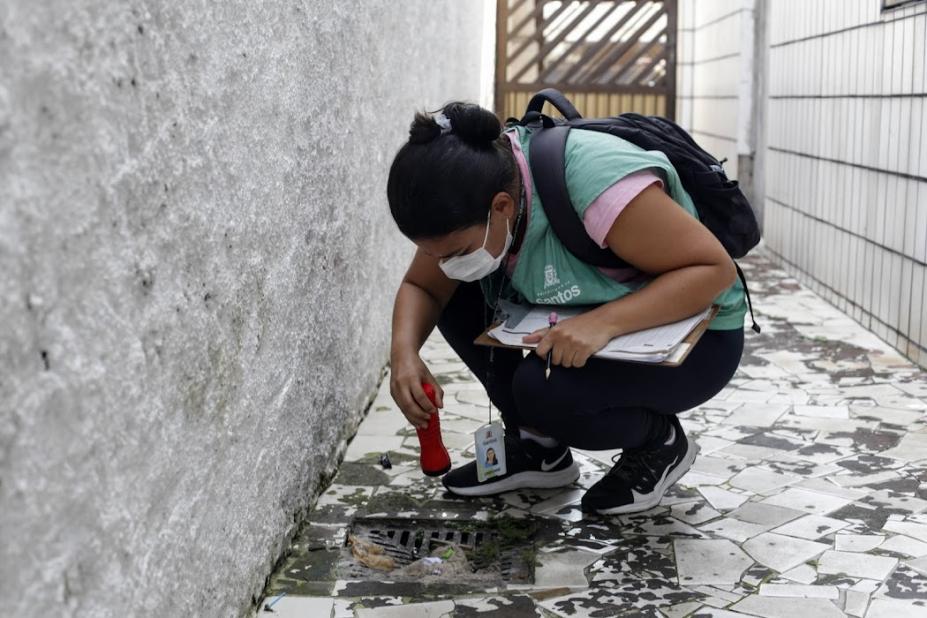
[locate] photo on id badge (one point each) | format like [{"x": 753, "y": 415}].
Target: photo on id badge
[{"x": 490, "y": 451}]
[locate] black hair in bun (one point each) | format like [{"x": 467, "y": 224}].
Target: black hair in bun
[
  {"x": 469, "y": 122},
  {"x": 444, "y": 180}
]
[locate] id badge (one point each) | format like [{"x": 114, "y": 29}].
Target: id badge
[{"x": 490, "y": 451}]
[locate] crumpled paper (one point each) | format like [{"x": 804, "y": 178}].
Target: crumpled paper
[{"x": 370, "y": 554}]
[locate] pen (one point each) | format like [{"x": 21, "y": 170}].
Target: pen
[{"x": 551, "y": 321}]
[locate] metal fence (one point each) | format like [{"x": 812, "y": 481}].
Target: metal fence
[{"x": 607, "y": 56}]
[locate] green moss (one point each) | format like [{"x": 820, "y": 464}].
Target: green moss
[
  {"x": 356, "y": 499},
  {"x": 503, "y": 534},
  {"x": 530, "y": 556},
  {"x": 487, "y": 553}
]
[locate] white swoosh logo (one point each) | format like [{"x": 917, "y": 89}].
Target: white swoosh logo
[
  {"x": 638, "y": 497},
  {"x": 547, "y": 467}
]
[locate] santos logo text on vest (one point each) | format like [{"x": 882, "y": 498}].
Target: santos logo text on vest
[{"x": 563, "y": 296}]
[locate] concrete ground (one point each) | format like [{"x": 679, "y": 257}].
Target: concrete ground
[{"x": 808, "y": 497}]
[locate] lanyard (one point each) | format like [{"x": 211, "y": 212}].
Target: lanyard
[{"x": 487, "y": 319}]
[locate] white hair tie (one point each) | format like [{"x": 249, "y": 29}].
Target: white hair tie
[{"x": 442, "y": 121}]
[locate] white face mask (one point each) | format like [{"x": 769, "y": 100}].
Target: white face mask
[{"x": 478, "y": 264}]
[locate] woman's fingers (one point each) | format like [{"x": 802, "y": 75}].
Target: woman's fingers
[
  {"x": 568, "y": 357},
  {"x": 556, "y": 355},
  {"x": 564, "y": 350},
  {"x": 439, "y": 392},
  {"x": 580, "y": 359},
  {"x": 416, "y": 413},
  {"x": 536, "y": 336},
  {"x": 418, "y": 394},
  {"x": 411, "y": 408},
  {"x": 407, "y": 376},
  {"x": 544, "y": 347}
]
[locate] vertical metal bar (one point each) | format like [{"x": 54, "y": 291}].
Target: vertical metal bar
[
  {"x": 539, "y": 36},
  {"x": 918, "y": 340},
  {"x": 501, "y": 43},
  {"x": 537, "y": 9},
  {"x": 760, "y": 107},
  {"x": 521, "y": 48},
  {"x": 672, "y": 11}
]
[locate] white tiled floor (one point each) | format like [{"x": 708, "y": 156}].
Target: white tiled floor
[{"x": 809, "y": 497}]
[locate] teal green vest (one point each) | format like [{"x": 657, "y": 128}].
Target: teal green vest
[{"x": 547, "y": 273}]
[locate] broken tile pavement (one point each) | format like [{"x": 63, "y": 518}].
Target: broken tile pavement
[{"x": 809, "y": 497}]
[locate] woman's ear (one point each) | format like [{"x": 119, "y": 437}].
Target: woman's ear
[{"x": 504, "y": 204}]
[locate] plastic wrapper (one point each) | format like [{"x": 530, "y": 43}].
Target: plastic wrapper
[{"x": 444, "y": 563}]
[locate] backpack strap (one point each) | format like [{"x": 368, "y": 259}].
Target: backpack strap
[
  {"x": 546, "y": 151},
  {"x": 743, "y": 279},
  {"x": 555, "y": 98}
]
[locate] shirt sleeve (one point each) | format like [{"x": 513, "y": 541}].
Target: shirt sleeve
[{"x": 601, "y": 214}]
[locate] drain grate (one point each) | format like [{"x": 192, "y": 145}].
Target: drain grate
[{"x": 492, "y": 556}]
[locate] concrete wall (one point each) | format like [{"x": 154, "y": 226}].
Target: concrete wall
[
  {"x": 196, "y": 270},
  {"x": 839, "y": 139}
]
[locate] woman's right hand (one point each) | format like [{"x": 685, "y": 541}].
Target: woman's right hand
[{"x": 407, "y": 373}]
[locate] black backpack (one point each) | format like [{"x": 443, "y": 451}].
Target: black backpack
[{"x": 721, "y": 205}]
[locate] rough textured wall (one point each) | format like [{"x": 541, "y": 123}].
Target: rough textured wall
[{"x": 196, "y": 270}]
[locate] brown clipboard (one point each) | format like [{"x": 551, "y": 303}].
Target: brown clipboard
[{"x": 678, "y": 357}]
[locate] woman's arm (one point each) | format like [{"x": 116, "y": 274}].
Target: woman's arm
[
  {"x": 657, "y": 237},
  {"x": 421, "y": 297}
]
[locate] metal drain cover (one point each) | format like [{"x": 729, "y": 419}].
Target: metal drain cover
[{"x": 496, "y": 555}]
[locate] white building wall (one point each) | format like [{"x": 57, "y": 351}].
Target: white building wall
[
  {"x": 846, "y": 199},
  {"x": 841, "y": 155},
  {"x": 715, "y": 39}
]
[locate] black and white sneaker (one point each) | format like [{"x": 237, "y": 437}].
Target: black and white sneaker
[
  {"x": 527, "y": 464},
  {"x": 640, "y": 477}
]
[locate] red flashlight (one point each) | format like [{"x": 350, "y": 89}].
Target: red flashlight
[{"x": 434, "y": 458}]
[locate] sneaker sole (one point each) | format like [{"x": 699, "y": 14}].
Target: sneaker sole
[
  {"x": 523, "y": 480},
  {"x": 657, "y": 494}
]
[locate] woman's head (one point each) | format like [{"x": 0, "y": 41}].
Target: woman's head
[{"x": 444, "y": 185}]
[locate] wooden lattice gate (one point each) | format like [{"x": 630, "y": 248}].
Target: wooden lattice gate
[{"x": 607, "y": 56}]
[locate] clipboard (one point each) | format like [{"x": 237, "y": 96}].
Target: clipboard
[{"x": 676, "y": 358}]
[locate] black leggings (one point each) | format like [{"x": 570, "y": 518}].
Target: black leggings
[{"x": 604, "y": 405}]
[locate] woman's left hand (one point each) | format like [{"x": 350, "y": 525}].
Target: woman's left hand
[{"x": 572, "y": 341}]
